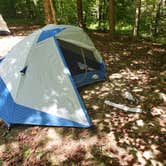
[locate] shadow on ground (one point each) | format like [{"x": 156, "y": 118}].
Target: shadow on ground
[{"x": 116, "y": 137}]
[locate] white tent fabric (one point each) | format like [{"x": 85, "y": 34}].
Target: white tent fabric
[
  {"x": 44, "y": 94},
  {"x": 14, "y": 62},
  {"x": 76, "y": 36},
  {"x": 4, "y": 30},
  {"x": 47, "y": 77}
]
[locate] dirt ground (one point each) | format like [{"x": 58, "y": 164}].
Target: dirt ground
[{"x": 116, "y": 137}]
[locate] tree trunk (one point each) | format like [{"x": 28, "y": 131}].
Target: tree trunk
[
  {"x": 137, "y": 18},
  {"x": 62, "y": 11},
  {"x": 31, "y": 13},
  {"x": 80, "y": 14},
  {"x": 50, "y": 16},
  {"x": 100, "y": 14},
  {"x": 112, "y": 17},
  {"x": 157, "y": 18}
]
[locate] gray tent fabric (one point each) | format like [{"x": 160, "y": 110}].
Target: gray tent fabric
[{"x": 4, "y": 30}]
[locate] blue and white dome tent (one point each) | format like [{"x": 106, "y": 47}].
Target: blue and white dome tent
[{"x": 40, "y": 75}]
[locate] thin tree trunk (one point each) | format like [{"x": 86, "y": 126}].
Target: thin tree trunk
[
  {"x": 105, "y": 14},
  {"x": 50, "y": 16},
  {"x": 157, "y": 18},
  {"x": 30, "y": 9},
  {"x": 80, "y": 14},
  {"x": 53, "y": 12},
  {"x": 100, "y": 14},
  {"x": 112, "y": 17},
  {"x": 62, "y": 11},
  {"x": 137, "y": 19}
]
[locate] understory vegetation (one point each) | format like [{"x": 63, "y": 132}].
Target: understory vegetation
[{"x": 95, "y": 15}]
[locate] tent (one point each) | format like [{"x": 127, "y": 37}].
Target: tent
[
  {"x": 40, "y": 75},
  {"x": 4, "y": 30}
]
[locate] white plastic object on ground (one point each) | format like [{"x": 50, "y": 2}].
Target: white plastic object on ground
[{"x": 123, "y": 107}]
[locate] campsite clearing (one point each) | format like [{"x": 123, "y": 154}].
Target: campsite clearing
[{"x": 116, "y": 137}]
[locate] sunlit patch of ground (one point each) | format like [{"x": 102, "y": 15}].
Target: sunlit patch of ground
[
  {"x": 6, "y": 43},
  {"x": 116, "y": 137}
]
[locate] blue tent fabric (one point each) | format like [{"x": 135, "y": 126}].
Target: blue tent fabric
[
  {"x": 74, "y": 86},
  {"x": 1, "y": 59},
  {"x": 49, "y": 33},
  {"x": 26, "y": 115},
  {"x": 14, "y": 113},
  {"x": 6, "y": 103},
  {"x": 89, "y": 76}
]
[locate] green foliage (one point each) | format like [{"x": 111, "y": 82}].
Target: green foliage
[
  {"x": 125, "y": 12},
  {"x": 95, "y": 13},
  {"x": 90, "y": 13},
  {"x": 148, "y": 20},
  {"x": 23, "y": 9},
  {"x": 66, "y": 11}
]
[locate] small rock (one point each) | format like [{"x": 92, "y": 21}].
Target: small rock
[
  {"x": 128, "y": 95},
  {"x": 162, "y": 96},
  {"x": 147, "y": 155},
  {"x": 140, "y": 122},
  {"x": 158, "y": 111},
  {"x": 116, "y": 75},
  {"x": 95, "y": 107},
  {"x": 137, "y": 89}
]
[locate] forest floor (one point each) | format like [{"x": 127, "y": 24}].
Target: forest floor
[{"x": 116, "y": 137}]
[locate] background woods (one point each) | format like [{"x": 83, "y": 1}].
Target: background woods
[
  {"x": 136, "y": 67},
  {"x": 49, "y": 12},
  {"x": 137, "y": 18}
]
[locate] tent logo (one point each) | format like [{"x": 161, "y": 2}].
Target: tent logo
[{"x": 95, "y": 76}]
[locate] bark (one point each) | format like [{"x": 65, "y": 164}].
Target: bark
[
  {"x": 50, "y": 16},
  {"x": 100, "y": 14},
  {"x": 80, "y": 14},
  {"x": 62, "y": 10},
  {"x": 105, "y": 13},
  {"x": 137, "y": 18},
  {"x": 112, "y": 17},
  {"x": 29, "y": 5},
  {"x": 157, "y": 18}
]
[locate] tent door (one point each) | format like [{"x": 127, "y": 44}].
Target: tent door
[{"x": 79, "y": 60}]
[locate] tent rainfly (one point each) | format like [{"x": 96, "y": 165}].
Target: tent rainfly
[
  {"x": 4, "y": 30},
  {"x": 40, "y": 75}
]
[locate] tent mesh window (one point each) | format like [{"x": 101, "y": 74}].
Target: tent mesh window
[{"x": 78, "y": 59}]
